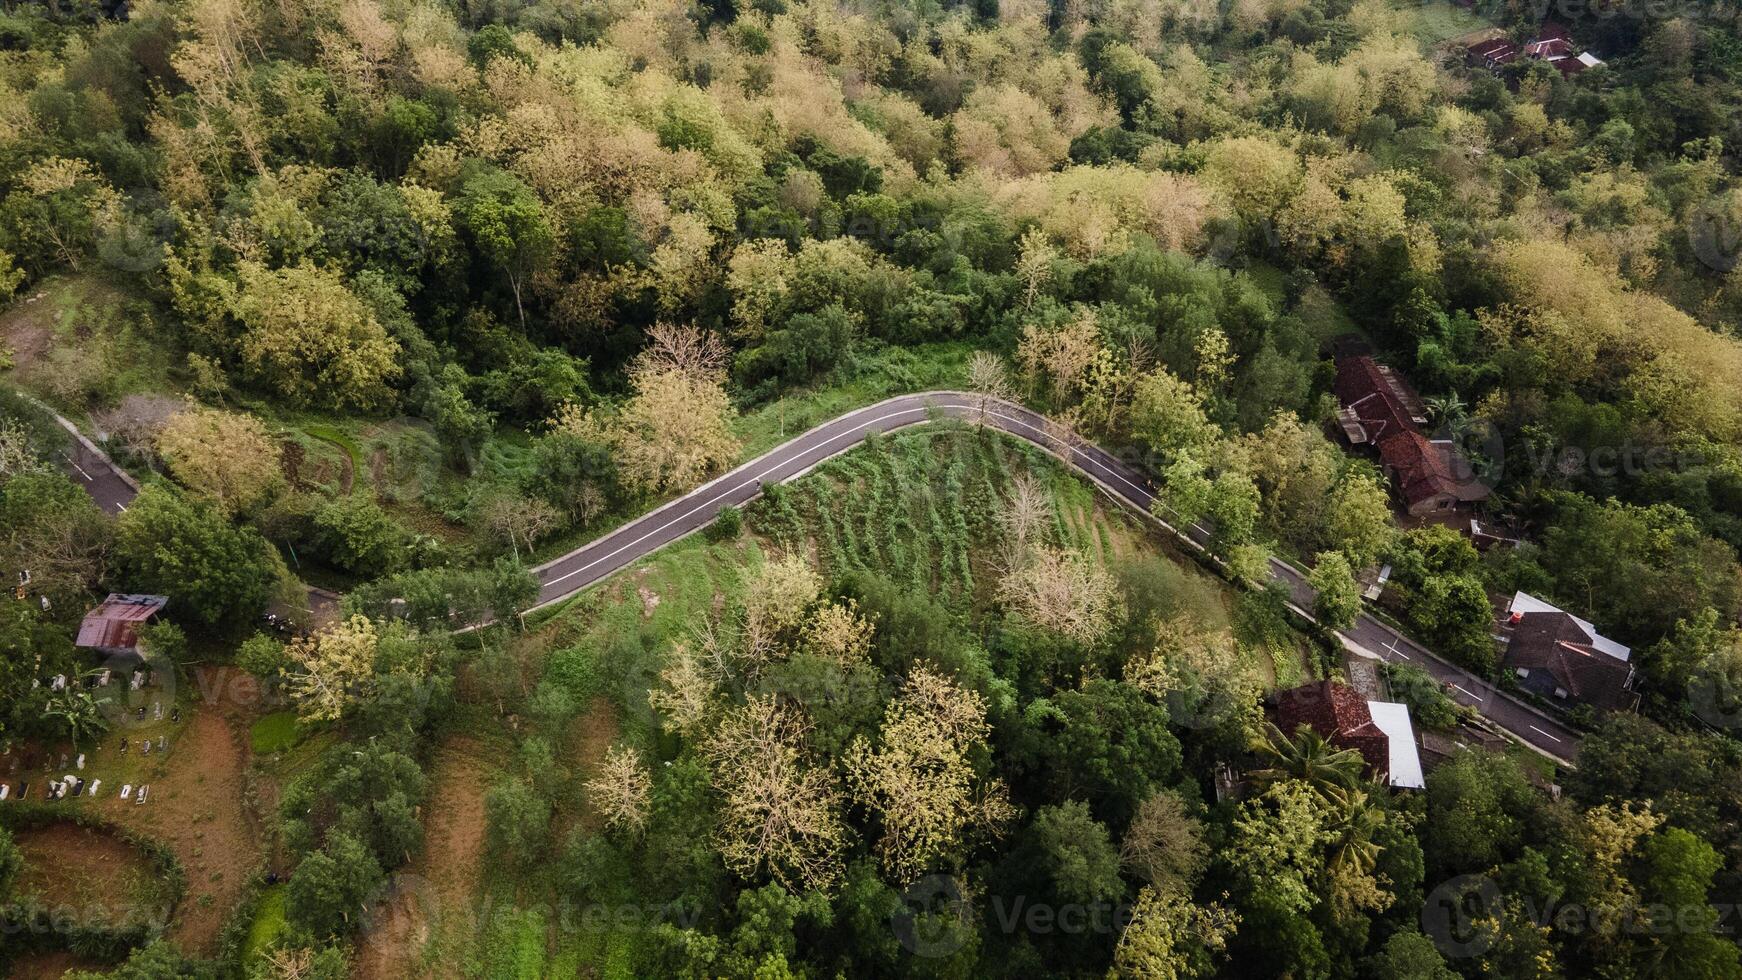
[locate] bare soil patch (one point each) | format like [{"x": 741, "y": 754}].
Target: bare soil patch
[
  {"x": 197, "y": 808},
  {"x": 94, "y": 871},
  {"x": 438, "y": 898},
  {"x": 50, "y": 966},
  {"x": 28, "y": 328}
]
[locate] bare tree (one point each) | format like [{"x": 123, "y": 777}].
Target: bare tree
[
  {"x": 989, "y": 382},
  {"x": 1165, "y": 845},
  {"x": 780, "y": 813},
  {"x": 621, "y": 790},
  {"x": 686, "y": 349},
  {"x": 519, "y": 520},
  {"x": 1022, "y": 521},
  {"x": 1063, "y": 593},
  {"x": 135, "y": 422}
]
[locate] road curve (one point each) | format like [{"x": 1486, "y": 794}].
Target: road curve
[{"x": 596, "y": 560}]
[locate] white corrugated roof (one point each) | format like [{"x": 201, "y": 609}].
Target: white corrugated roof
[
  {"x": 1524, "y": 602},
  {"x": 1393, "y": 719},
  {"x": 1590, "y": 60}
]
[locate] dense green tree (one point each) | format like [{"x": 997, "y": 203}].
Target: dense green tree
[
  {"x": 519, "y": 821},
  {"x": 1107, "y": 743},
  {"x": 216, "y": 574},
  {"x": 358, "y": 536},
  {"x": 1408, "y": 956},
  {"x": 1336, "y": 596},
  {"x": 328, "y": 889},
  {"x": 1074, "y": 854},
  {"x": 11, "y": 862},
  {"x": 507, "y": 225}
]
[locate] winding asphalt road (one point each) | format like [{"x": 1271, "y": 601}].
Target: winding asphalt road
[
  {"x": 1369, "y": 637},
  {"x": 113, "y": 489}
]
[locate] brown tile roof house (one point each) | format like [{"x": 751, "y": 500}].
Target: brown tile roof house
[
  {"x": 113, "y": 627},
  {"x": 1563, "y": 658},
  {"x": 1376, "y": 402},
  {"x": 1492, "y": 53},
  {"x": 1380, "y": 409},
  {"x": 1430, "y": 476},
  {"x": 1346, "y": 719}
]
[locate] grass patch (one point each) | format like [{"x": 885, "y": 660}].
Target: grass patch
[
  {"x": 277, "y": 732},
  {"x": 1323, "y": 316},
  {"x": 880, "y": 374},
  {"x": 1271, "y": 280},
  {"x": 1434, "y": 21},
  {"x": 269, "y": 923},
  {"x": 513, "y": 947}
]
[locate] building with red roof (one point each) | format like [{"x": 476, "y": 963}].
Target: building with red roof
[
  {"x": 113, "y": 626},
  {"x": 1380, "y": 731},
  {"x": 1379, "y": 409},
  {"x": 1563, "y": 658}
]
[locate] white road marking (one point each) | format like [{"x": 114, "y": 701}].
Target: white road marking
[
  {"x": 1542, "y": 733},
  {"x": 1468, "y": 694},
  {"x": 856, "y": 431},
  {"x": 74, "y": 464}
]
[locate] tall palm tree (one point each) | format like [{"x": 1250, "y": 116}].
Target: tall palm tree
[
  {"x": 1449, "y": 412},
  {"x": 1331, "y": 772},
  {"x": 1352, "y": 845}
]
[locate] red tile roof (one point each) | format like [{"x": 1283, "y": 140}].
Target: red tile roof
[
  {"x": 114, "y": 624},
  {"x": 1339, "y": 713},
  {"x": 1378, "y": 399},
  {"x": 1549, "y": 47},
  {"x": 1424, "y": 469}
]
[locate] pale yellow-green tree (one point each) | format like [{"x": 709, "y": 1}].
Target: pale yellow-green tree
[
  {"x": 1359, "y": 521},
  {"x": 919, "y": 779},
  {"x": 684, "y": 696},
  {"x": 1167, "y": 415},
  {"x": 1170, "y": 938},
  {"x": 622, "y": 789},
  {"x": 676, "y": 428},
  {"x": 777, "y": 596},
  {"x": 780, "y": 810},
  {"x": 837, "y": 633},
  {"x": 1056, "y": 358},
  {"x": 310, "y": 339},
  {"x": 227, "y": 456},
  {"x": 332, "y": 670}
]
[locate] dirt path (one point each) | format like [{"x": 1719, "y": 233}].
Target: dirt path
[
  {"x": 434, "y": 898},
  {"x": 197, "y": 809}
]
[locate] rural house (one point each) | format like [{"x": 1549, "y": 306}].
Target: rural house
[
  {"x": 113, "y": 626},
  {"x": 1563, "y": 658},
  {"x": 1379, "y": 409},
  {"x": 1380, "y": 730}
]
